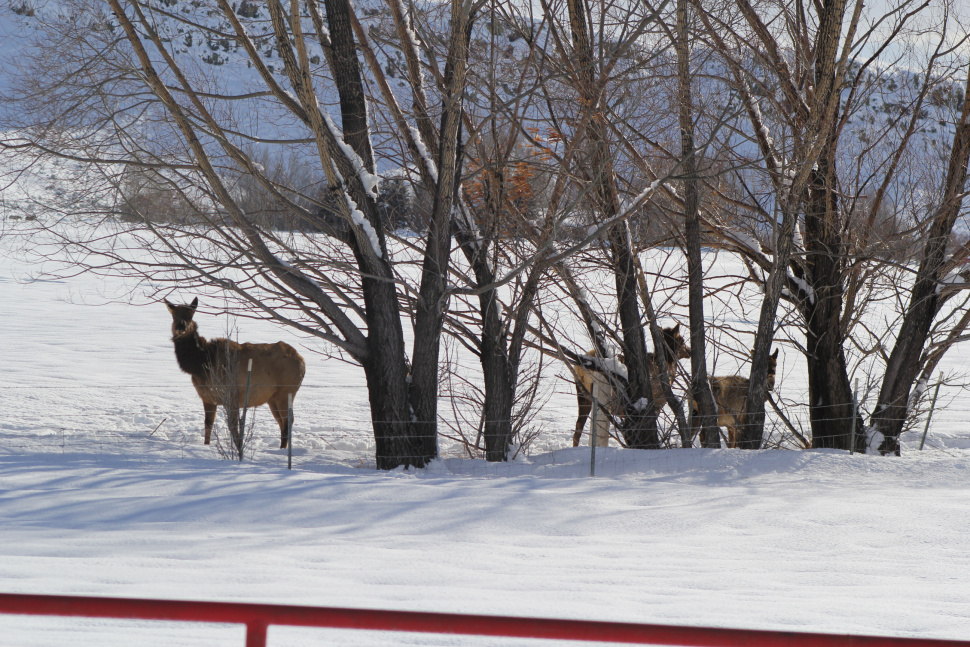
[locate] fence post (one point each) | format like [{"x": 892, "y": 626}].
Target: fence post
[
  {"x": 249, "y": 374},
  {"x": 592, "y": 430},
  {"x": 242, "y": 425},
  {"x": 289, "y": 431},
  {"x": 855, "y": 414},
  {"x": 929, "y": 416},
  {"x": 256, "y": 633}
]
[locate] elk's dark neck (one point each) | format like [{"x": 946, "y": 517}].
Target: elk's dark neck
[{"x": 192, "y": 352}]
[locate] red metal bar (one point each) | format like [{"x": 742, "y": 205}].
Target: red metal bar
[
  {"x": 256, "y": 634},
  {"x": 257, "y": 617}
]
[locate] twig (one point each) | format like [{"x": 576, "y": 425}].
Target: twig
[
  {"x": 804, "y": 441},
  {"x": 156, "y": 428}
]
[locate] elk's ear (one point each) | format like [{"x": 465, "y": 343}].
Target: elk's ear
[
  {"x": 194, "y": 304},
  {"x": 168, "y": 305},
  {"x": 676, "y": 328},
  {"x": 774, "y": 355}
]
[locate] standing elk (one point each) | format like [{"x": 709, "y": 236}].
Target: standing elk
[
  {"x": 677, "y": 350},
  {"x": 219, "y": 366},
  {"x": 730, "y": 393}
]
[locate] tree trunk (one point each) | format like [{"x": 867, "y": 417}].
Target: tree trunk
[
  {"x": 753, "y": 420},
  {"x": 640, "y": 414},
  {"x": 705, "y": 417},
  {"x": 394, "y": 430},
  {"x": 401, "y": 438},
  {"x": 500, "y": 381},
  {"x": 432, "y": 297},
  {"x": 829, "y": 390},
  {"x": 347, "y": 78}
]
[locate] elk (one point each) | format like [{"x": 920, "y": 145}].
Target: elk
[
  {"x": 730, "y": 392},
  {"x": 677, "y": 350},
  {"x": 219, "y": 369}
]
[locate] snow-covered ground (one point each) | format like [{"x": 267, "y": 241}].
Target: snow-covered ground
[{"x": 106, "y": 489}]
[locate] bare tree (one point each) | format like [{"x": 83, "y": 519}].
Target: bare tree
[
  {"x": 705, "y": 418},
  {"x": 588, "y": 76},
  {"x": 811, "y": 76},
  {"x": 926, "y": 299},
  {"x": 129, "y": 72}
]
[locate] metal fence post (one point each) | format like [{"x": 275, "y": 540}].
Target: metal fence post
[
  {"x": 289, "y": 431},
  {"x": 240, "y": 442},
  {"x": 855, "y": 414},
  {"x": 592, "y": 430},
  {"x": 249, "y": 374},
  {"x": 929, "y": 416}
]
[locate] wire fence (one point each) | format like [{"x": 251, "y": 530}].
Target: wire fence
[
  {"x": 138, "y": 424},
  {"x": 172, "y": 436}
]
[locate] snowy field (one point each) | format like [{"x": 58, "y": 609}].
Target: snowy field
[{"x": 107, "y": 489}]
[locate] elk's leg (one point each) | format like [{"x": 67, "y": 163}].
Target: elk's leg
[
  {"x": 278, "y": 408},
  {"x": 585, "y": 406},
  {"x": 210, "y": 418}
]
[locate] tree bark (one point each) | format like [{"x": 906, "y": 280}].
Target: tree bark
[
  {"x": 347, "y": 78},
  {"x": 753, "y": 420}
]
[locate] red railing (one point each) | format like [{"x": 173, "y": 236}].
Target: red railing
[{"x": 258, "y": 617}]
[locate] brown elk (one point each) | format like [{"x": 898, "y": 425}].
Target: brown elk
[
  {"x": 219, "y": 366},
  {"x": 677, "y": 350},
  {"x": 730, "y": 393}
]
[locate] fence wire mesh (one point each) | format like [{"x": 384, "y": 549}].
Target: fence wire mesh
[{"x": 136, "y": 424}]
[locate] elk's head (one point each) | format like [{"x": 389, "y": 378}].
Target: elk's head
[
  {"x": 677, "y": 348},
  {"x": 772, "y": 368},
  {"x": 182, "y": 323}
]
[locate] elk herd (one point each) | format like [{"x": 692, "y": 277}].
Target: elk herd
[
  {"x": 730, "y": 392},
  {"x": 237, "y": 375}
]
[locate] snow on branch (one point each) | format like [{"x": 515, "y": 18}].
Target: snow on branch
[
  {"x": 953, "y": 280},
  {"x": 319, "y": 19},
  {"x": 368, "y": 179},
  {"x": 755, "y": 109},
  {"x": 423, "y": 150},
  {"x": 359, "y": 219},
  {"x": 803, "y": 287},
  {"x": 746, "y": 240}
]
